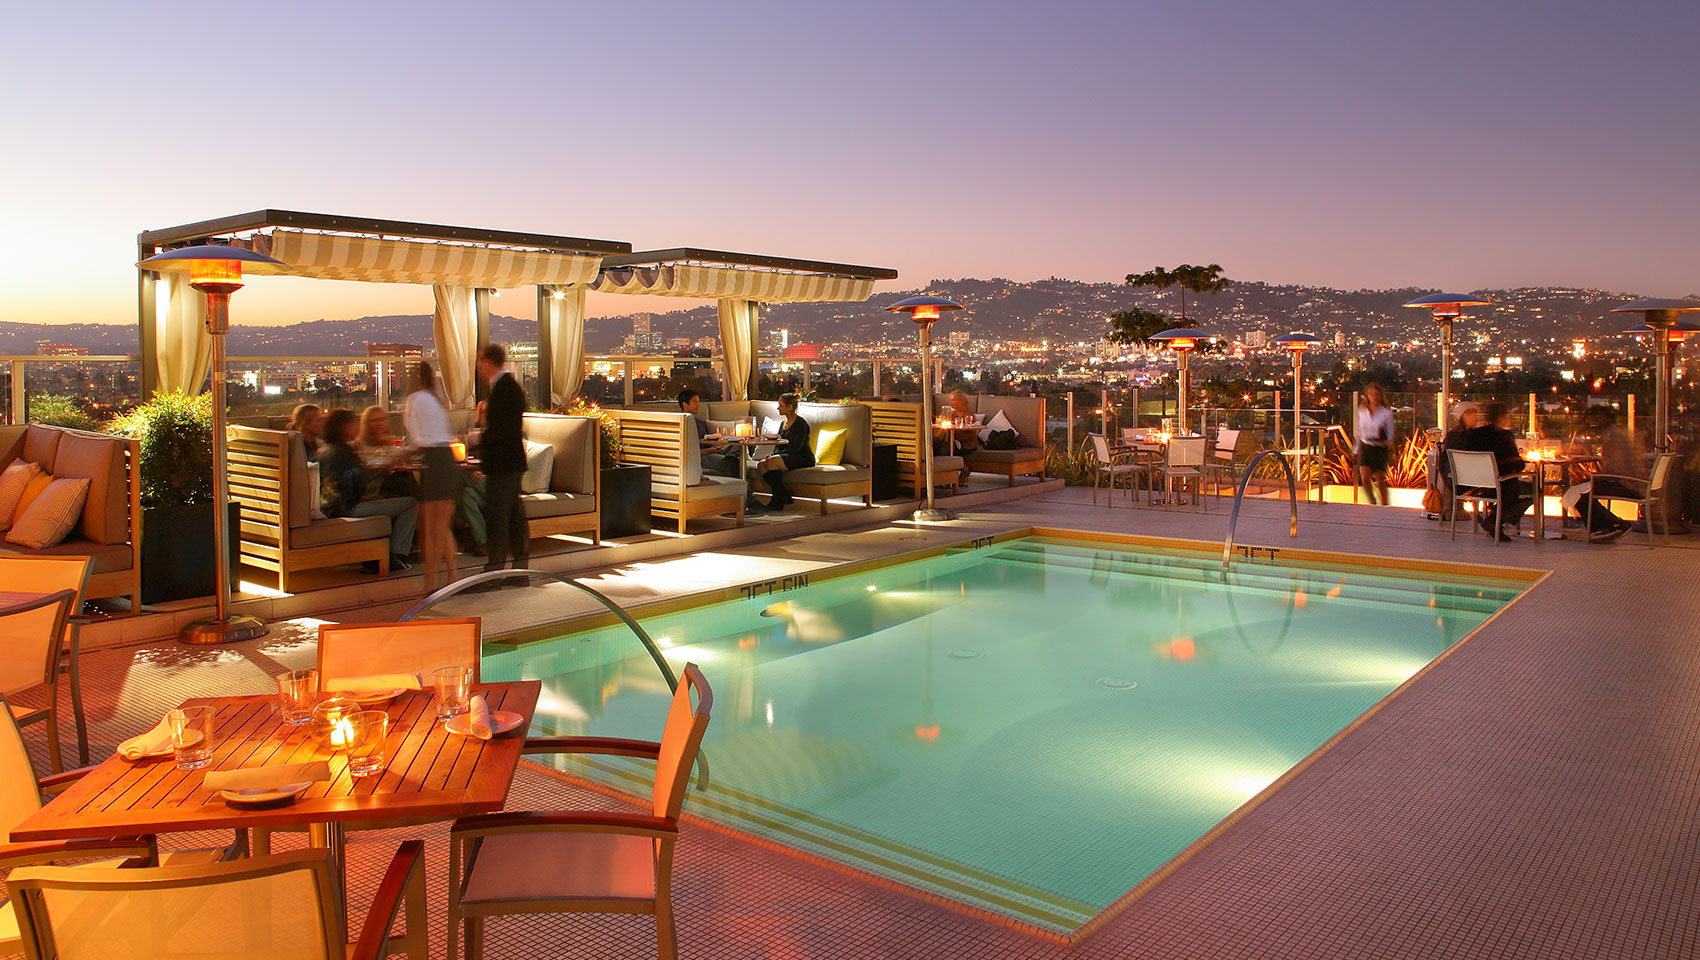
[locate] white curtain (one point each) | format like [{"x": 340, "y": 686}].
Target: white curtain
[
  {"x": 456, "y": 330},
  {"x": 182, "y": 346},
  {"x": 566, "y": 339},
  {"x": 739, "y": 336}
]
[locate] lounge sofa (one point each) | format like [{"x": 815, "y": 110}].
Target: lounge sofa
[
  {"x": 572, "y": 504},
  {"x": 666, "y": 442},
  {"x": 1027, "y": 416},
  {"x": 852, "y": 477},
  {"x": 110, "y": 530}
]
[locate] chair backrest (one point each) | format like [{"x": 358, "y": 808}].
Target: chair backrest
[
  {"x": 30, "y": 634},
  {"x": 1186, "y": 452},
  {"x": 1131, "y": 434},
  {"x": 898, "y": 425},
  {"x": 1661, "y": 472},
  {"x": 1227, "y": 444},
  {"x": 278, "y": 906},
  {"x": 420, "y": 646},
  {"x": 664, "y": 441},
  {"x": 1474, "y": 468},
  {"x": 46, "y": 575},
  {"x": 679, "y": 741},
  {"x": 1100, "y": 447},
  {"x": 19, "y": 795}
]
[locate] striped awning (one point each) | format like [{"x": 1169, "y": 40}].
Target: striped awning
[
  {"x": 731, "y": 283},
  {"x": 341, "y": 257}
]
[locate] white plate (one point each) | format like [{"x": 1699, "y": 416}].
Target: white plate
[
  {"x": 372, "y": 697},
  {"x": 501, "y": 721},
  {"x": 265, "y": 796}
]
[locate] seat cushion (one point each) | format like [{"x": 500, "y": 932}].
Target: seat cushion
[
  {"x": 829, "y": 473},
  {"x": 942, "y": 464},
  {"x": 106, "y": 516},
  {"x": 319, "y": 533},
  {"x": 556, "y": 504},
  {"x": 1018, "y": 455},
  {"x": 107, "y": 557},
  {"x": 539, "y": 866},
  {"x": 711, "y": 488}
]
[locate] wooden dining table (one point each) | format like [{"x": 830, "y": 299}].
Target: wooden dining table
[{"x": 429, "y": 774}]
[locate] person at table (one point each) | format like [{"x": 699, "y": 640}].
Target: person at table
[
  {"x": 501, "y": 448},
  {"x": 956, "y": 411},
  {"x": 794, "y": 453},
  {"x": 1375, "y": 441},
  {"x": 380, "y": 453},
  {"x": 718, "y": 457},
  {"x": 1493, "y": 435},
  {"x": 1466, "y": 416},
  {"x": 426, "y": 416},
  {"x": 1618, "y": 457},
  {"x": 308, "y": 420},
  {"x": 343, "y": 481}
]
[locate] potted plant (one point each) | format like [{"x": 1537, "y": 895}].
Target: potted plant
[
  {"x": 175, "y": 433},
  {"x": 625, "y": 489}
]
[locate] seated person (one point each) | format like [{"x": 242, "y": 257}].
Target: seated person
[
  {"x": 956, "y": 412},
  {"x": 309, "y": 421},
  {"x": 1618, "y": 457},
  {"x": 379, "y": 452},
  {"x": 343, "y": 480},
  {"x": 1466, "y": 416},
  {"x": 794, "y": 453},
  {"x": 1494, "y": 436},
  {"x": 718, "y": 458}
]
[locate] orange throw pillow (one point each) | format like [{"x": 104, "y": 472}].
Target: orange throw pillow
[
  {"x": 51, "y": 514},
  {"x": 12, "y": 483},
  {"x": 32, "y": 490}
]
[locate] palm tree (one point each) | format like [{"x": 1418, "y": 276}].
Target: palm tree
[{"x": 1134, "y": 326}]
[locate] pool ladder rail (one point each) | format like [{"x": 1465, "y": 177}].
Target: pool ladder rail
[{"x": 1234, "y": 517}]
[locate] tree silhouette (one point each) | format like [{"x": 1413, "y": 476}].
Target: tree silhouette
[{"x": 1135, "y": 326}]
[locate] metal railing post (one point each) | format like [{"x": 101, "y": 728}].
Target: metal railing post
[
  {"x": 1069, "y": 405},
  {"x": 627, "y": 367},
  {"x": 878, "y": 393},
  {"x": 20, "y": 404}
]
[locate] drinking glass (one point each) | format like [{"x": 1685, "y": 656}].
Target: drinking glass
[
  {"x": 191, "y": 736},
  {"x": 368, "y": 730},
  {"x": 454, "y": 685},
  {"x": 295, "y": 695}
]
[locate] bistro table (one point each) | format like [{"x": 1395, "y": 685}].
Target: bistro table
[
  {"x": 952, "y": 432},
  {"x": 429, "y": 774},
  {"x": 745, "y": 444},
  {"x": 1536, "y": 467}
]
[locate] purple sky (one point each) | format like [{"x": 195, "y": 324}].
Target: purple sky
[{"x": 1349, "y": 144}]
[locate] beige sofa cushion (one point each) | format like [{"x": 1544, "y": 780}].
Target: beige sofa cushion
[
  {"x": 577, "y": 449},
  {"x": 107, "y": 557},
  {"x": 52, "y": 515},
  {"x": 829, "y": 474},
  {"x": 40, "y": 444},
  {"x": 303, "y": 499},
  {"x": 14, "y": 480},
  {"x": 319, "y": 533},
  {"x": 106, "y": 516},
  {"x": 711, "y": 488},
  {"x": 11, "y": 442},
  {"x": 538, "y": 505}
]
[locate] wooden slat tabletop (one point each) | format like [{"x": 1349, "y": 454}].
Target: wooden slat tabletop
[{"x": 430, "y": 773}]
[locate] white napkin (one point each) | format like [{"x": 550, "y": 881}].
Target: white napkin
[
  {"x": 267, "y": 778},
  {"x": 147, "y": 744},
  {"x": 375, "y": 683},
  {"x": 478, "y": 721}
]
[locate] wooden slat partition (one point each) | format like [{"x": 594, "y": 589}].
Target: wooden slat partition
[
  {"x": 899, "y": 425},
  {"x": 261, "y": 479},
  {"x": 658, "y": 440}
]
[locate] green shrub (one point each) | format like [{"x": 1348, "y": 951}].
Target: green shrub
[
  {"x": 56, "y": 411},
  {"x": 608, "y": 428},
  {"x": 176, "y": 437}
]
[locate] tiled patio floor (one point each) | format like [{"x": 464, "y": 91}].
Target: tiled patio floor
[{"x": 1534, "y": 795}]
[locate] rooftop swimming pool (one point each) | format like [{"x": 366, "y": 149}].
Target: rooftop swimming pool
[{"x": 1031, "y": 727}]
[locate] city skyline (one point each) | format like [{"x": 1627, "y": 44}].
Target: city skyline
[{"x": 1405, "y": 145}]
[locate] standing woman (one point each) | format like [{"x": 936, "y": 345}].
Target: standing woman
[
  {"x": 1375, "y": 439},
  {"x": 794, "y": 453},
  {"x": 427, "y": 419}
]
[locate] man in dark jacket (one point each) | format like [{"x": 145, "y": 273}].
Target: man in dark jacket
[{"x": 501, "y": 448}]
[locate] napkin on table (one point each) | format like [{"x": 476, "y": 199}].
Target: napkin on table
[
  {"x": 267, "y": 778},
  {"x": 478, "y": 721},
  {"x": 142, "y": 745},
  {"x": 375, "y": 683}
]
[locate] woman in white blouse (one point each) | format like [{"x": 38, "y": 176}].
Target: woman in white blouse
[
  {"x": 427, "y": 420},
  {"x": 1375, "y": 442}
]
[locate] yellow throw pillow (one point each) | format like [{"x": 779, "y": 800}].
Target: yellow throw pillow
[
  {"x": 51, "y": 514},
  {"x": 31, "y": 490},
  {"x": 829, "y": 446},
  {"x": 12, "y": 483}
]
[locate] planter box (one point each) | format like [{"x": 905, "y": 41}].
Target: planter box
[
  {"x": 177, "y": 551},
  {"x": 625, "y": 501}
]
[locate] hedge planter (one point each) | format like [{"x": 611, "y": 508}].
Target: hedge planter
[
  {"x": 625, "y": 501},
  {"x": 177, "y": 551}
]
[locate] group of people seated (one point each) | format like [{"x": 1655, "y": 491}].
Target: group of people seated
[
  {"x": 1488, "y": 428},
  {"x": 721, "y": 456},
  {"x": 361, "y": 472}
]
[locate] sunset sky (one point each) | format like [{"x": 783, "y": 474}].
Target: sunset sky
[{"x": 1436, "y": 144}]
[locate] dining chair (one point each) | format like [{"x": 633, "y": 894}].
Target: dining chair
[
  {"x": 51, "y": 575},
  {"x": 582, "y": 861},
  {"x": 29, "y": 658},
  {"x": 1651, "y": 490},
  {"x": 1224, "y": 458},
  {"x": 418, "y": 646},
  {"x": 1111, "y": 464},
  {"x": 1475, "y": 480},
  {"x": 278, "y": 906},
  {"x": 1183, "y": 461}
]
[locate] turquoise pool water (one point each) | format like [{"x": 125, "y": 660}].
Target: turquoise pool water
[{"x": 1031, "y": 727}]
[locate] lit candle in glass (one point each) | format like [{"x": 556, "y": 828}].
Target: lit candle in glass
[
  {"x": 458, "y": 449},
  {"x": 342, "y": 733}
]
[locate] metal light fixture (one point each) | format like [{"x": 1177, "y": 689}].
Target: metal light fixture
[
  {"x": 925, "y": 311},
  {"x": 1447, "y": 307},
  {"x": 1296, "y": 344},
  {"x": 1183, "y": 340},
  {"x": 1662, "y": 317},
  {"x": 216, "y": 271}
]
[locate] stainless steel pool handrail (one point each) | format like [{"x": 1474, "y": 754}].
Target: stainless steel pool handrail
[{"x": 1245, "y": 478}]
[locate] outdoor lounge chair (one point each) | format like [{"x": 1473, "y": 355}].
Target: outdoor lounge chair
[
  {"x": 1224, "y": 458},
  {"x": 51, "y": 575},
  {"x": 1653, "y": 490},
  {"x": 1183, "y": 461},
  {"x": 279, "y": 906},
  {"x": 1112, "y": 464},
  {"x": 1476, "y": 479},
  {"x": 582, "y": 861}
]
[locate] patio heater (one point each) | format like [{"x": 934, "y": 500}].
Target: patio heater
[
  {"x": 216, "y": 270},
  {"x": 1447, "y": 307},
  {"x": 925, "y": 311},
  {"x": 1296, "y": 344},
  {"x": 1662, "y": 319},
  {"x": 1183, "y": 340}
]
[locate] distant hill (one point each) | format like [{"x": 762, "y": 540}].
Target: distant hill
[{"x": 1055, "y": 309}]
